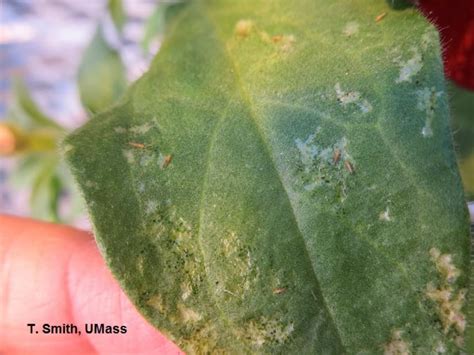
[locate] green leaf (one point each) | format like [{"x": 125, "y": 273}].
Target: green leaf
[
  {"x": 154, "y": 26},
  {"x": 45, "y": 192},
  {"x": 282, "y": 180},
  {"x": 462, "y": 112},
  {"x": 466, "y": 165},
  {"x": 49, "y": 180},
  {"x": 400, "y": 4},
  {"x": 33, "y": 130},
  {"x": 117, "y": 13},
  {"x": 26, "y": 112},
  {"x": 26, "y": 170},
  {"x": 73, "y": 210},
  {"x": 101, "y": 76}
]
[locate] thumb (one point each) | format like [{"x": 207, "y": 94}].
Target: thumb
[{"x": 54, "y": 275}]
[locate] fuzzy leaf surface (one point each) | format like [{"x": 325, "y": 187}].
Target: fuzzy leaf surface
[{"x": 282, "y": 180}]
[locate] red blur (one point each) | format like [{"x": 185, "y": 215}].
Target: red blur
[{"x": 455, "y": 20}]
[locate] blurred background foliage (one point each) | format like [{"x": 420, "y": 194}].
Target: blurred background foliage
[
  {"x": 29, "y": 137},
  {"x": 462, "y": 115}
]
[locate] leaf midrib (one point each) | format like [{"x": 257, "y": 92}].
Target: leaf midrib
[{"x": 247, "y": 102}]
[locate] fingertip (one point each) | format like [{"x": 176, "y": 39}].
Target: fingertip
[
  {"x": 99, "y": 302},
  {"x": 55, "y": 274}
]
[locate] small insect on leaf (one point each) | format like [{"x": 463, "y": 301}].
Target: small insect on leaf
[
  {"x": 277, "y": 38},
  {"x": 137, "y": 145},
  {"x": 243, "y": 28},
  {"x": 279, "y": 290},
  {"x": 167, "y": 161},
  {"x": 336, "y": 156},
  {"x": 380, "y": 17},
  {"x": 349, "y": 167}
]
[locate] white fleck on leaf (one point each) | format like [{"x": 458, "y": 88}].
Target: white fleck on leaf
[{"x": 351, "y": 28}]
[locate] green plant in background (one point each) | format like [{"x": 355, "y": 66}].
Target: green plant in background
[
  {"x": 34, "y": 137},
  {"x": 462, "y": 113},
  {"x": 117, "y": 13},
  {"x": 155, "y": 25},
  {"x": 101, "y": 77},
  {"x": 282, "y": 180}
]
